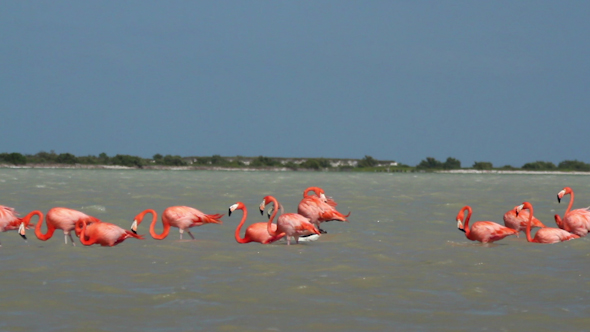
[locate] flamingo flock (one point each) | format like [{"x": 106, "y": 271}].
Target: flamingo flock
[
  {"x": 313, "y": 210},
  {"x": 573, "y": 225},
  {"x": 90, "y": 230}
]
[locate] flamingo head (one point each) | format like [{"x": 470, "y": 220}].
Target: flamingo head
[
  {"x": 525, "y": 205},
  {"x": 134, "y": 226},
  {"x": 563, "y": 192},
  {"x": 460, "y": 217},
  {"x": 266, "y": 200},
  {"x": 79, "y": 226},
  {"x": 237, "y": 206},
  {"x": 21, "y": 230}
]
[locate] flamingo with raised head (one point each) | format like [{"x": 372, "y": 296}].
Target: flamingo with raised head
[
  {"x": 576, "y": 221},
  {"x": 519, "y": 221},
  {"x": 9, "y": 220},
  {"x": 103, "y": 233},
  {"x": 319, "y": 208},
  {"x": 182, "y": 217},
  {"x": 545, "y": 234},
  {"x": 64, "y": 219},
  {"x": 482, "y": 231},
  {"x": 291, "y": 224},
  {"x": 256, "y": 232}
]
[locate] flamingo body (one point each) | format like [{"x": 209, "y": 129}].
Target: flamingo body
[
  {"x": 574, "y": 221},
  {"x": 64, "y": 219},
  {"x": 103, "y": 233},
  {"x": 519, "y": 221},
  {"x": 182, "y": 217},
  {"x": 288, "y": 224},
  {"x": 545, "y": 234},
  {"x": 256, "y": 232},
  {"x": 482, "y": 231}
]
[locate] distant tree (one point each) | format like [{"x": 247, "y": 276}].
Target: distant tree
[
  {"x": 291, "y": 165},
  {"x": 13, "y": 158},
  {"x": 218, "y": 160},
  {"x": 157, "y": 157},
  {"x": 127, "y": 160},
  {"x": 45, "y": 157},
  {"x": 574, "y": 165},
  {"x": 430, "y": 163},
  {"x": 452, "y": 163},
  {"x": 66, "y": 158},
  {"x": 315, "y": 163},
  {"x": 539, "y": 166},
  {"x": 367, "y": 161},
  {"x": 261, "y": 161},
  {"x": 104, "y": 159},
  {"x": 170, "y": 160},
  {"x": 482, "y": 165}
]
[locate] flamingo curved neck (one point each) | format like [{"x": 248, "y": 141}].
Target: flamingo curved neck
[
  {"x": 529, "y": 225},
  {"x": 314, "y": 189},
  {"x": 274, "y": 213},
  {"x": 165, "y": 231},
  {"x": 466, "y": 225},
  {"x": 50, "y": 230},
  {"x": 239, "y": 228},
  {"x": 83, "y": 236},
  {"x": 569, "y": 206}
]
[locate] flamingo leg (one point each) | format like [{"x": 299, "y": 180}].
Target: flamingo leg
[
  {"x": 71, "y": 239},
  {"x": 191, "y": 234},
  {"x": 180, "y": 231}
]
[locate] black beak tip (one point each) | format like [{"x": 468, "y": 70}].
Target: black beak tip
[
  {"x": 461, "y": 229},
  {"x": 23, "y": 236},
  {"x": 229, "y": 213},
  {"x": 558, "y": 199},
  {"x": 134, "y": 232},
  {"x": 261, "y": 212}
]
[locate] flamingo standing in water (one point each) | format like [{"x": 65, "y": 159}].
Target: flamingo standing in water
[
  {"x": 519, "y": 221},
  {"x": 319, "y": 208},
  {"x": 576, "y": 221},
  {"x": 291, "y": 224},
  {"x": 64, "y": 219},
  {"x": 10, "y": 221},
  {"x": 545, "y": 234},
  {"x": 256, "y": 232},
  {"x": 183, "y": 217},
  {"x": 103, "y": 233},
  {"x": 482, "y": 231}
]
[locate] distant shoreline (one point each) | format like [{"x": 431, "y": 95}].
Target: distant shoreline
[{"x": 262, "y": 169}]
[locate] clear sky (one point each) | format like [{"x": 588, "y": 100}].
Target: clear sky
[{"x": 500, "y": 81}]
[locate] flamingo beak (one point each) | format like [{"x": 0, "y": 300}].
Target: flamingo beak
[
  {"x": 519, "y": 208},
  {"x": 229, "y": 213},
  {"x": 560, "y": 195},
  {"x": 460, "y": 225},
  {"x": 134, "y": 226},
  {"x": 21, "y": 230},
  {"x": 262, "y": 206}
]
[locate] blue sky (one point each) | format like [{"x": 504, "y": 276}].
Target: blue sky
[{"x": 500, "y": 81}]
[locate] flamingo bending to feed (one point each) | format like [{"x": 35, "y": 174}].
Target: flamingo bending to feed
[
  {"x": 576, "y": 221},
  {"x": 10, "y": 221},
  {"x": 103, "y": 233},
  {"x": 519, "y": 221},
  {"x": 319, "y": 208},
  {"x": 482, "y": 231},
  {"x": 256, "y": 232},
  {"x": 291, "y": 224},
  {"x": 183, "y": 217},
  {"x": 64, "y": 219},
  {"x": 545, "y": 234}
]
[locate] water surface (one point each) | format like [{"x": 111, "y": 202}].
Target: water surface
[{"x": 400, "y": 264}]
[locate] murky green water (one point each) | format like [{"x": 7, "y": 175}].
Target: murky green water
[{"x": 400, "y": 264}]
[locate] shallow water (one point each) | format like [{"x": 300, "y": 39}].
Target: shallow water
[{"x": 400, "y": 264}]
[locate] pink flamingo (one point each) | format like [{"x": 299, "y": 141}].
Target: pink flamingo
[
  {"x": 545, "y": 234},
  {"x": 64, "y": 219},
  {"x": 103, "y": 233},
  {"x": 291, "y": 224},
  {"x": 576, "y": 221},
  {"x": 256, "y": 232},
  {"x": 482, "y": 231},
  {"x": 10, "y": 221},
  {"x": 519, "y": 221},
  {"x": 183, "y": 217},
  {"x": 319, "y": 208}
]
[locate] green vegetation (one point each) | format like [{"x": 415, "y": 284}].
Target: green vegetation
[{"x": 365, "y": 164}]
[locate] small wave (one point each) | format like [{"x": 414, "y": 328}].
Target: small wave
[{"x": 99, "y": 208}]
